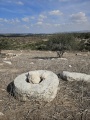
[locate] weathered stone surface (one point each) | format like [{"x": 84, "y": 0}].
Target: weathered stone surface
[
  {"x": 70, "y": 76},
  {"x": 46, "y": 90},
  {"x": 34, "y": 77}
]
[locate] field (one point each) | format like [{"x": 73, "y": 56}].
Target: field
[{"x": 73, "y": 98}]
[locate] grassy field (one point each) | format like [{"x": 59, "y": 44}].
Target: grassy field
[{"x": 73, "y": 98}]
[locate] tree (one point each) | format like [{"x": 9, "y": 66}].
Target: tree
[{"x": 60, "y": 42}]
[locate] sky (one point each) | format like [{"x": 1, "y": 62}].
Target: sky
[{"x": 44, "y": 16}]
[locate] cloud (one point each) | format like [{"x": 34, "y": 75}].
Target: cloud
[
  {"x": 10, "y": 21},
  {"x": 32, "y": 17},
  {"x": 1, "y": 19},
  {"x": 4, "y": 20},
  {"x": 15, "y": 2},
  {"x": 55, "y": 12},
  {"x": 41, "y": 17},
  {"x": 12, "y": 2},
  {"x": 46, "y": 24},
  {"x": 26, "y": 27},
  {"x": 79, "y": 17},
  {"x": 39, "y": 23},
  {"x": 57, "y": 25},
  {"x": 20, "y": 3},
  {"x": 14, "y": 21},
  {"x": 26, "y": 19}
]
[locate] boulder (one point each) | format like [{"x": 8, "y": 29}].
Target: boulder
[
  {"x": 42, "y": 86},
  {"x": 70, "y": 76}
]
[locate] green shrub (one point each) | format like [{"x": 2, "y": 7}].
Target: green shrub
[
  {"x": 62, "y": 41},
  {"x": 55, "y": 42},
  {"x": 84, "y": 46},
  {"x": 4, "y": 44}
]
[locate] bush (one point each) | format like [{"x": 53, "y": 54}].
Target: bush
[
  {"x": 55, "y": 42},
  {"x": 62, "y": 41},
  {"x": 84, "y": 45},
  {"x": 4, "y": 44}
]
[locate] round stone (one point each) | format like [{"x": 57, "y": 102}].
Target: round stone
[{"x": 41, "y": 85}]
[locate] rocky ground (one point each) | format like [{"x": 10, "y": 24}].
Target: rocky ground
[{"x": 73, "y": 98}]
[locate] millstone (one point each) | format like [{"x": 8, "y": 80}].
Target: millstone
[{"x": 40, "y": 85}]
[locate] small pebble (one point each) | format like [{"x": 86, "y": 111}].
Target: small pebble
[
  {"x": 31, "y": 63},
  {"x": 3, "y": 89},
  {"x": 70, "y": 66},
  {"x": 1, "y": 114}
]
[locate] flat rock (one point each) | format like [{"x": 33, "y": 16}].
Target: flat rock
[
  {"x": 8, "y": 62},
  {"x": 71, "y": 76}
]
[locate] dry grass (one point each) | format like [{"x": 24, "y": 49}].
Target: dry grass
[{"x": 73, "y": 98}]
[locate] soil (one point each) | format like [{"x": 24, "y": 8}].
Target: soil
[{"x": 73, "y": 98}]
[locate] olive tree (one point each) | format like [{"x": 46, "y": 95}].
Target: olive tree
[{"x": 61, "y": 42}]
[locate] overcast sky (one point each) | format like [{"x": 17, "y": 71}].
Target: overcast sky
[{"x": 44, "y": 16}]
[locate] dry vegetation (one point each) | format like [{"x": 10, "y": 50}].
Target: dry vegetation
[{"x": 73, "y": 98}]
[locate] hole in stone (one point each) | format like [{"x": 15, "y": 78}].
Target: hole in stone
[
  {"x": 41, "y": 79},
  {"x": 27, "y": 78}
]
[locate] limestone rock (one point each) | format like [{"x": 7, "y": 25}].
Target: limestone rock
[
  {"x": 1, "y": 114},
  {"x": 45, "y": 89},
  {"x": 34, "y": 77},
  {"x": 70, "y": 76},
  {"x": 8, "y": 62}
]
